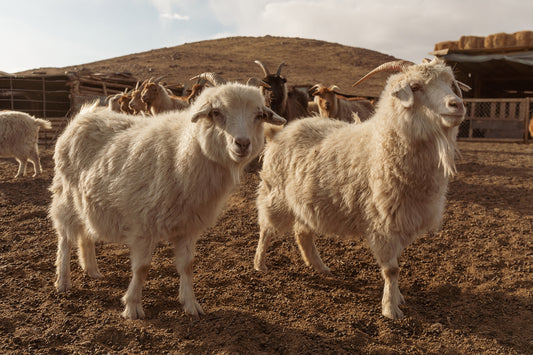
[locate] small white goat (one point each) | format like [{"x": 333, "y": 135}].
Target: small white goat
[
  {"x": 121, "y": 178},
  {"x": 385, "y": 178},
  {"x": 19, "y": 135},
  {"x": 112, "y": 102}
]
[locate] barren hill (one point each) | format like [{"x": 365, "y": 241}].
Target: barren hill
[{"x": 308, "y": 62}]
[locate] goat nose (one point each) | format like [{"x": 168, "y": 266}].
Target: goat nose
[
  {"x": 455, "y": 104},
  {"x": 242, "y": 143}
]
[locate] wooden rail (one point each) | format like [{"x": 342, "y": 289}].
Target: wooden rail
[{"x": 496, "y": 120}]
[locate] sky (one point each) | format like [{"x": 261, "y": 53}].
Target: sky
[{"x": 58, "y": 33}]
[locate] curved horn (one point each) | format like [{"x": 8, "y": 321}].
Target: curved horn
[
  {"x": 262, "y": 67},
  {"x": 159, "y": 78},
  {"x": 314, "y": 88},
  {"x": 279, "y": 68},
  {"x": 143, "y": 84},
  {"x": 257, "y": 82},
  {"x": 398, "y": 65},
  {"x": 212, "y": 77},
  {"x": 199, "y": 81}
]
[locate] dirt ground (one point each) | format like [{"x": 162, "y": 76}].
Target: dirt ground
[{"x": 468, "y": 288}]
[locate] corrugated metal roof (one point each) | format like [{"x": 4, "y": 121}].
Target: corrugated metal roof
[{"x": 493, "y": 73}]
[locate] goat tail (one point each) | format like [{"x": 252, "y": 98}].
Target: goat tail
[{"x": 43, "y": 123}]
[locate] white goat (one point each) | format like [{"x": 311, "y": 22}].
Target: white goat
[
  {"x": 385, "y": 178},
  {"x": 125, "y": 179},
  {"x": 19, "y": 135}
]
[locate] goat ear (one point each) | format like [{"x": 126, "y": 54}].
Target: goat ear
[
  {"x": 202, "y": 112},
  {"x": 405, "y": 95},
  {"x": 463, "y": 86},
  {"x": 272, "y": 117}
]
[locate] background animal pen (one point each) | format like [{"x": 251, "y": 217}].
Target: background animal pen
[{"x": 57, "y": 97}]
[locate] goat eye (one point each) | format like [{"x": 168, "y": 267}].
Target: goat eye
[
  {"x": 260, "y": 116},
  {"x": 217, "y": 116},
  {"x": 415, "y": 87}
]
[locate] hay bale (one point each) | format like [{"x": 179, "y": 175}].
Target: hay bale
[
  {"x": 500, "y": 40},
  {"x": 471, "y": 42},
  {"x": 524, "y": 38},
  {"x": 504, "y": 40},
  {"x": 489, "y": 41},
  {"x": 447, "y": 45}
]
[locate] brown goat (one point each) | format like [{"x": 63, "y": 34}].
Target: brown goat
[
  {"x": 195, "y": 91},
  {"x": 124, "y": 102},
  {"x": 157, "y": 99},
  {"x": 331, "y": 105},
  {"x": 136, "y": 104}
]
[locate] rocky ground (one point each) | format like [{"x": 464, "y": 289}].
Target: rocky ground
[{"x": 468, "y": 288}]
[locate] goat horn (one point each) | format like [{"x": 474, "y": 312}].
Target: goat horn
[
  {"x": 199, "y": 80},
  {"x": 145, "y": 82},
  {"x": 213, "y": 78},
  {"x": 279, "y": 68},
  {"x": 398, "y": 65},
  {"x": 314, "y": 88},
  {"x": 161, "y": 77},
  {"x": 262, "y": 67},
  {"x": 257, "y": 82}
]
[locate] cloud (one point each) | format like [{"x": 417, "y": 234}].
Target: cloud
[
  {"x": 174, "y": 16},
  {"x": 408, "y": 29},
  {"x": 175, "y": 9}
]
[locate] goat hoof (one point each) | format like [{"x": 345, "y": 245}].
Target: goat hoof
[
  {"x": 194, "y": 309},
  {"x": 392, "y": 312},
  {"x": 133, "y": 312}
]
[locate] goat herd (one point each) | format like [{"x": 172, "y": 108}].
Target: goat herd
[{"x": 138, "y": 180}]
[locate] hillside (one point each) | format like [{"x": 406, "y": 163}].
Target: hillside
[{"x": 308, "y": 62}]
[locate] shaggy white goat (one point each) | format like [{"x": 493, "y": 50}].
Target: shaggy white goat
[
  {"x": 385, "y": 178},
  {"x": 19, "y": 135},
  {"x": 125, "y": 179}
]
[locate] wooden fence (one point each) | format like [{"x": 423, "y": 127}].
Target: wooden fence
[
  {"x": 57, "y": 97},
  {"x": 504, "y": 120}
]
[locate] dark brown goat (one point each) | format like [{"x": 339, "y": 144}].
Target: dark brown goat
[{"x": 288, "y": 103}]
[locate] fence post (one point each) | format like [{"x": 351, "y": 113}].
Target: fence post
[{"x": 527, "y": 117}]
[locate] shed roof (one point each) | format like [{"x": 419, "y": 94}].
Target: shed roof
[{"x": 493, "y": 72}]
